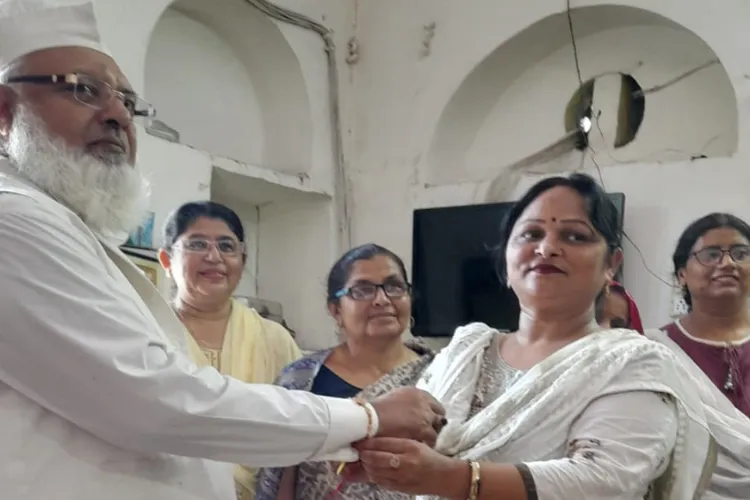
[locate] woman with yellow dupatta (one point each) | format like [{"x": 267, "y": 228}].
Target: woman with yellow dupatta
[{"x": 204, "y": 253}]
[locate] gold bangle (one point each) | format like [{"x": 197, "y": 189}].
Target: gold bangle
[
  {"x": 475, "y": 480},
  {"x": 370, "y": 417}
]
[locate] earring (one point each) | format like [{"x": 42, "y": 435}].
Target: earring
[{"x": 606, "y": 288}]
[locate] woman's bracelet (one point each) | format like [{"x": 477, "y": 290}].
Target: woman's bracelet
[{"x": 476, "y": 478}]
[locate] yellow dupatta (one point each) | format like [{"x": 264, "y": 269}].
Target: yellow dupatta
[{"x": 255, "y": 350}]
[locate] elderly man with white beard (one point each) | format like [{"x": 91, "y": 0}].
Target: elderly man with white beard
[{"x": 98, "y": 396}]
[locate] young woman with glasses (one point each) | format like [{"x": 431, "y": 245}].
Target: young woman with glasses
[
  {"x": 204, "y": 253},
  {"x": 712, "y": 265}
]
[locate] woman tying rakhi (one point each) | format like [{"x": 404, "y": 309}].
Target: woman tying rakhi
[{"x": 560, "y": 409}]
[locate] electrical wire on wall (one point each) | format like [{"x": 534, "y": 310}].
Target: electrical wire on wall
[
  {"x": 342, "y": 183},
  {"x": 590, "y": 150},
  {"x": 678, "y": 78}
]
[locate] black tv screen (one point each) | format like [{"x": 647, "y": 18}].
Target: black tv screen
[{"x": 454, "y": 276}]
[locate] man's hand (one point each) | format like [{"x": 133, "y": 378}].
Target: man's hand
[{"x": 410, "y": 413}]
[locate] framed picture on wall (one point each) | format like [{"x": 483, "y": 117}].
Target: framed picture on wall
[
  {"x": 143, "y": 236},
  {"x": 149, "y": 267},
  {"x": 147, "y": 261}
]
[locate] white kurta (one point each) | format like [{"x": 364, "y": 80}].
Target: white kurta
[{"x": 98, "y": 398}]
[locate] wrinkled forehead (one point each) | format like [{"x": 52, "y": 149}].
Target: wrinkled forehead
[
  {"x": 375, "y": 270},
  {"x": 60, "y": 60}
]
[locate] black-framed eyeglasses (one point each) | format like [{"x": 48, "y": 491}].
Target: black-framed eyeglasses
[
  {"x": 368, "y": 291},
  {"x": 711, "y": 256},
  {"x": 226, "y": 246},
  {"x": 91, "y": 92}
]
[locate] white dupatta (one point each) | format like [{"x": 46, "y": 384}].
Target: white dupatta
[
  {"x": 532, "y": 418},
  {"x": 729, "y": 426}
]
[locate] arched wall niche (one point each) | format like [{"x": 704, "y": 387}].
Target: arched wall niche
[
  {"x": 512, "y": 104},
  {"x": 228, "y": 81}
]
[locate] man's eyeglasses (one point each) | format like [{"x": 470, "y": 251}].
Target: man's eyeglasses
[
  {"x": 368, "y": 291},
  {"x": 227, "y": 247},
  {"x": 91, "y": 92},
  {"x": 711, "y": 256}
]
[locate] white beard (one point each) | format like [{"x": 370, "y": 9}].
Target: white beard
[{"x": 109, "y": 195}]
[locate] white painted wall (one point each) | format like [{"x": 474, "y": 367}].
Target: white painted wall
[
  {"x": 177, "y": 175},
  {"x": 250, "y": 97},
  {"x": 427, "y": 130},
  {"x": 293, "y": 266},
  {"x": 200, "y": 88},
  {"x": 679, "y": 121},
  {"x": 404, "y": 101}
]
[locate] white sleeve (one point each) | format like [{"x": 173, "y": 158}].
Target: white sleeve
[
  {"x": 73, "y": 341},
  {"x": 616, "y": 449}
]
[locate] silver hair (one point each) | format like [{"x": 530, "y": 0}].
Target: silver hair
[
  {"x": 7, "y": 70},
  {"x": 104, "y": 190}
]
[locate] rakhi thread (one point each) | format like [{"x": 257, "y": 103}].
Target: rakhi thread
[
  {"x": 340, "y": 485},
  {"x": 337, "y": 489}
]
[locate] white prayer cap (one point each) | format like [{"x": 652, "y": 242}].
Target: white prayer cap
[{"x": 27, "y": 26}]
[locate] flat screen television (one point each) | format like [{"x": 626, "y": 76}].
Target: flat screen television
[{"x": 453, "y": 271}]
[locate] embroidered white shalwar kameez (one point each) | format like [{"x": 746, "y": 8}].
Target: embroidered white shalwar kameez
[{"x": 603, "y": 417}]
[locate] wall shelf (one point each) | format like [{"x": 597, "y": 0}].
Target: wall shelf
[
  {"x": 150, "y": 254},
  {"x": 260, "y": 185}
]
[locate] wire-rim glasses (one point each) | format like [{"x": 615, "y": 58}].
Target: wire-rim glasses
[
  {"x": 91, "y": 92},
  {"x": 227, "y": 247},
  {"x": 368, "y": 291},
  {"x": 711, "y": 256}
]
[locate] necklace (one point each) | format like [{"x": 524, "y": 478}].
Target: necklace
[
  {"x": 211, "y": 346},
  {"x": 732, "y": 359}
]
